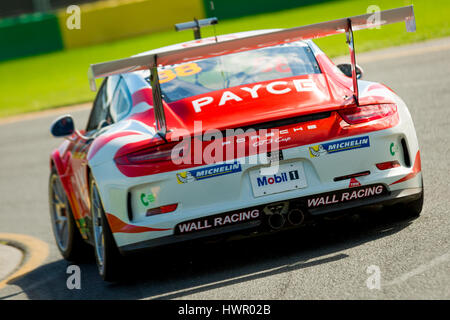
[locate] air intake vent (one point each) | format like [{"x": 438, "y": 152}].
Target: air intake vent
[
  {"x": 406, "y": 156},
  {"x": 129, "y": 210}
]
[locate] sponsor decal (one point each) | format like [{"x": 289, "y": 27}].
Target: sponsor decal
[
  {"x": 283, "y": 177},
  {"x": 316, "y": 151},
  {"x": 338, "y": 146},
  {"x": 185, "y": 177},
  {"x": 209, "y": 172},
  {"x": 393, "y": 149},
  {"x": 146, "y": 199},
  {"x": 275, "y": 88},
  {"x": 217, "y": 221},
  {"x": 354, "y": 183},
  {"x": 278, "y": 178},
  {"x": 346, "y": 195}
]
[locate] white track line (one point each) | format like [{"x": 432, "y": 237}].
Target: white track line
[{"x": 421, "y": 269}]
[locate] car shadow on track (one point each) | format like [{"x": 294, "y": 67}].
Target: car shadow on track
[{"x": 198, "y": 267}]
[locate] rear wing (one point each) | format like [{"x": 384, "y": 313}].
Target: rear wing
[
  {"x": 153, "y": 60},
  {"x": 196, "y": 25}
]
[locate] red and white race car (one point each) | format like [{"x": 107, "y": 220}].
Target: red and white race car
[{"x": 253, "y": 131}]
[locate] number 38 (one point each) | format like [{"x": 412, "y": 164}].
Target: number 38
[{"x": 184, "y": 70}]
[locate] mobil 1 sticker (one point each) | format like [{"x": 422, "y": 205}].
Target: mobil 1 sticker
[{"x": 280, "y": 178}]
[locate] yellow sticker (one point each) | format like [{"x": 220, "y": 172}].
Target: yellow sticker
[{"x": 183, "y": 70}]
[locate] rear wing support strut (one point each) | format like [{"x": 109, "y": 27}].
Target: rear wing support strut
[
  {"x": 158, "y": 107},
  {"x": 351, "y": 46},
  {"x": 196, "y": 25}
]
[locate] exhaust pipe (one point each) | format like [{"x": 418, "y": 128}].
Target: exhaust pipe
[
  {"x": 295, "y": 217},
  {"x": 276, "y": 221}
]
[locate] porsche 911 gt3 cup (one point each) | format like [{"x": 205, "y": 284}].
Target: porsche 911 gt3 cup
[{"x": 254, "y": 131}]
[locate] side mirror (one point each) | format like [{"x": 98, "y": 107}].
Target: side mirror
[
  {"x": 346, "y": 68},
  {"x": 62, "y": 127}
]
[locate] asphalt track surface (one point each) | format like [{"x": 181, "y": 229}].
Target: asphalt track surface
[{"x": 329, "y": 261}]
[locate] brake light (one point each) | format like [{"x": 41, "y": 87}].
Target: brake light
[
  {"x": 161, "y": 210},
  {"x": 351, "y": 176},
  {"x": 164, "y": 152},
  {"x": 368, "y": 113},
  {"x": 388, "y": 165}
]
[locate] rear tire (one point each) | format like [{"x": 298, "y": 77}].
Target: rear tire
[
  {"x": 67, "y": 236},
  {"x": 409, "y": 210},
  {"x": 107, "y": 255},
  {"x": 414, "y": 208}
]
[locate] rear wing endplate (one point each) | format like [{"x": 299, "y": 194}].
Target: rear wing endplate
[{"x": 153, "y": 60}]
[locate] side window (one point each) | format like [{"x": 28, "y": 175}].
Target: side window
[
  {"x": 100, "y": 111},
  {"x": 111, "y": 87},
  {"x": 121, "y": 102},
  {"x": 97, "y": 112}
]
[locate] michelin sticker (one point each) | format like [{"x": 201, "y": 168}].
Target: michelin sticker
[
  {"x": 210, "y": 172},
  {"x": 338, "y": 146}
]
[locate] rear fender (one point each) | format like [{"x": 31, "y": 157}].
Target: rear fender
[{"x": 61, "y": 165}]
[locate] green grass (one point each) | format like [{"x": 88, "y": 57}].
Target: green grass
[{"x": 59, "y": 79}]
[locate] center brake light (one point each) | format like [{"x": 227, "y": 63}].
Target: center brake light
[
  {"x": 362, "y": 114},
  {"x": 164, "y": 152}
]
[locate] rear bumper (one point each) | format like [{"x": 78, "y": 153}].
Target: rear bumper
[
  {"x": 260, "y": 225},
  {"x": 236, "y": 190}
]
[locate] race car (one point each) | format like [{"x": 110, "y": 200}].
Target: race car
[{"x": 251, "y": 132}]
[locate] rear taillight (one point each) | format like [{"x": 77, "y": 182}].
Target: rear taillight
[
  {"x": 361, "y": 114},
  {"x": 159, "y": 153},
  {"x": 388, "y": 165},
  {"x": 161, "y": 210}
]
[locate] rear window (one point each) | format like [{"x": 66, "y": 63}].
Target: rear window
[{"x": 222, "y": 72}]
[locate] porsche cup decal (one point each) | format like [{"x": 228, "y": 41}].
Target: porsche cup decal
[
  {"x": 205, "y": 173},
  {"x": 338, "y": 146}
]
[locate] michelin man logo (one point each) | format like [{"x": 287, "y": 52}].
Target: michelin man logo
[
  {"x": 316, "y": 151},
  {"x": 185, "y": 177}
]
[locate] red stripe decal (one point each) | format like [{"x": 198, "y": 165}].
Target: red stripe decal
[
  {"x": 143, "y": 95},
  {"x": 101, "y": 141},
  {"x": 415, "y": 170},
  {"x": 118, "y": 225}
]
